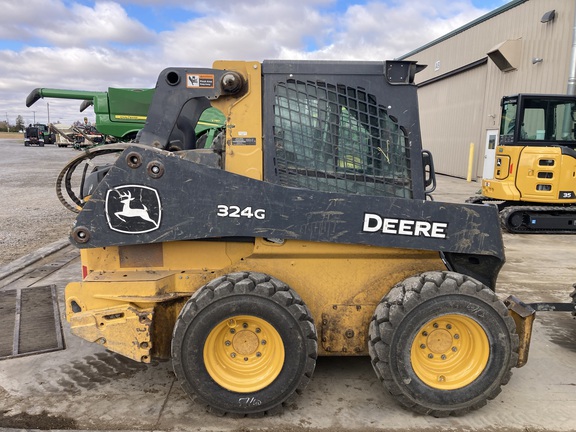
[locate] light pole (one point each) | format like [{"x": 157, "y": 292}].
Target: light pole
[
  {"x": 34, "y": 113},
  {"x": 48, "y": 107}
]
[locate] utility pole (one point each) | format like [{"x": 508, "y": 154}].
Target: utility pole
[{"x": 48, "y": 107}]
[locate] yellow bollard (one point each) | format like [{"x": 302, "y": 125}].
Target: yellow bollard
[{"x": 470, "y": 162}]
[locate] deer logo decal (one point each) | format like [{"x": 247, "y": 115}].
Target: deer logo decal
[{"x": 133, "y": 209}]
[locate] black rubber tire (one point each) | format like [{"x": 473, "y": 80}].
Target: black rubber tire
[
  {"x": 257, "y": 295},
  {"x": 414, "y": 302}
]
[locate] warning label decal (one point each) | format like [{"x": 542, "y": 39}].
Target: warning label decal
[
  {"x": 244, "y": 141},
  {"x": 199, "y": 81}
]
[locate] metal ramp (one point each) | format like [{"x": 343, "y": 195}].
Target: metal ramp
[{"x": 29, "y": 321}]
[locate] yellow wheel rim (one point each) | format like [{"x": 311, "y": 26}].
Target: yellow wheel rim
[
  {"x": 244, "y": 354},
  {"x": 450, "y": 352}
]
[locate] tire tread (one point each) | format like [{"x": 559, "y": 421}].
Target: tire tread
[
  {"x": 248, "y": 283},
  {"x": 406, "y": 296}
]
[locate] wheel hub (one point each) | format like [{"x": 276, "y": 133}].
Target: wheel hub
[
  {"x": 245, "y": 342},
  {"x": 439, "y": 341},
  {"x": 244, "y": 354},
  {"x": 450, "y": 352}
]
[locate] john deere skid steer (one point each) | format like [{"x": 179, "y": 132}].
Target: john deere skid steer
[{"x": 304, "y": 230}]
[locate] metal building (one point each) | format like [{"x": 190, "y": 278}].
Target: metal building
[{"x": 524, "y": 46}]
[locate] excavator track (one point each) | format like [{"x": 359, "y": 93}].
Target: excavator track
[{"x": 536, "y": 219}]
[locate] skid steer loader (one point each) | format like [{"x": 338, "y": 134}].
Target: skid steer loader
[{"x": 304, "y": 230}]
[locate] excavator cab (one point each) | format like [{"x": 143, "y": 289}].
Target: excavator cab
[{"x": 538, "y": 120}]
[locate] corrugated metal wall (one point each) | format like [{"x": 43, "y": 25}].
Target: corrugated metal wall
[
  {"x": 458, "y": 108},
  {"x": 450, "y": 118}
]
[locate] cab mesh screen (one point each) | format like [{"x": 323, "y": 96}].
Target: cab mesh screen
[{"x": 336, "y": 138}]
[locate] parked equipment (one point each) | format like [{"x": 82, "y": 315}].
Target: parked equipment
[
  {"x": 121, "y": 112},
  {"x": 534, "y": 184},
  {"x": 39, "y": 134},
  {"x": 304, "y": 230},
  {"x": 78, "y": 137}
]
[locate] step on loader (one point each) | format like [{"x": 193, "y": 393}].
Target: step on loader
[{"x": 305, "y": 230}]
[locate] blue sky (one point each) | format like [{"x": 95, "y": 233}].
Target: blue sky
[{"x": 93, "y": 45}]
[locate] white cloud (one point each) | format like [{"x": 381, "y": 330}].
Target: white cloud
[
  {"x": 248, "y": 32},
  {"x": 73, "y": 46},
  {"x": 53, "y": 24},
  {"x": 379, "y": 30}
]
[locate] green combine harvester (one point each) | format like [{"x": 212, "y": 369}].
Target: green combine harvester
[{"x": 121, "y": 112}]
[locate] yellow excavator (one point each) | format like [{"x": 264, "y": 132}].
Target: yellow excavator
[
  {"x": 534, "y": 183},
  {"x": 304, "y": 230}
]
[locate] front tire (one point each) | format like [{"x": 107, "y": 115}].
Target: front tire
[
  {"x": 243, "y": 344},
  {"x": 442, "y": 343}
]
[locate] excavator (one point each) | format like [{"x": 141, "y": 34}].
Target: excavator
[
  {"x": 305, "y": 229},
  {"x": 534, "y": 182}
]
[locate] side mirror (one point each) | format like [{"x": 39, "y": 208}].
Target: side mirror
[{"x": 429, "y": 173}]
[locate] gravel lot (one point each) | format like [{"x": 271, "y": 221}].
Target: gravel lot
[{"x": 31, "y": 215}]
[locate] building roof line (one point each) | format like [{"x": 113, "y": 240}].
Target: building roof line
[
  {"x": 457, "y": 71},
  {"x": 510, "y": 5}
]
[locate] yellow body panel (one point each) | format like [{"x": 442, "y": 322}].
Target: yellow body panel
[
  {"x": 243, "y": 121},
  {"x": 340, "y": 284},
  {"x": 123, "y": 328},
  {"x": 532, "y": 174}
]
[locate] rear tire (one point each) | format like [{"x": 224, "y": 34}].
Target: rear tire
[
  {"x": 442, "y": 343},
  {"x": 243, "y": 344}
]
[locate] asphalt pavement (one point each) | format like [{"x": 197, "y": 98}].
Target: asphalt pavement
[{"x": 85, "y": 387}]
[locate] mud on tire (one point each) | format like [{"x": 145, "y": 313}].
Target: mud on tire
[
  {"x": 442, "y": 343},
  {"x": 244, "y": 344}
]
